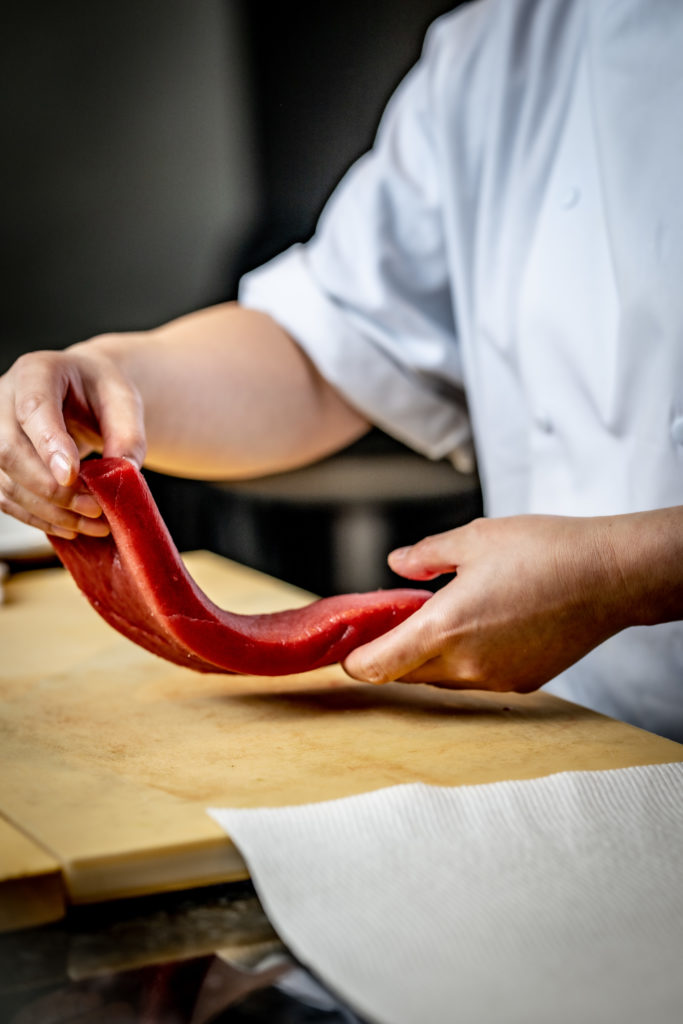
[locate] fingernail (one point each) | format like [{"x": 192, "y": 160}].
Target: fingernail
[
  {"x": 60, "y": 467},
  {"x": 85, "y": 505},
  {"x": 59, "y": 531},
  {"x": 94, "y": 527}
]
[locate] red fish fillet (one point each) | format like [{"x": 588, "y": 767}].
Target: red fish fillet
[{"x": 136, "y": 580}]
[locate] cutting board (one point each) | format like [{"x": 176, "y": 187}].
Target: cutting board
[
  {"x": 109, "y": 756},
  {"x": 31, "y": 890}
]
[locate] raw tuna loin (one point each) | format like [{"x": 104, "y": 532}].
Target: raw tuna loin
[{"x": 136, "y": 580}]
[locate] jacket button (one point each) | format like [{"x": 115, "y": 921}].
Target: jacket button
[
  {"x": 570, "y": 198},
  {"x": 677, "y": 430}
]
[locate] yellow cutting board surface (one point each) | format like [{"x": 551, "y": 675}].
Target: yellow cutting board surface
[{"x": 109, "y": 756}]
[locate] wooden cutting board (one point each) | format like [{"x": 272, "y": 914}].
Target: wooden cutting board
[
  {"x": 31, "y": 889},
  {"x": 109, "y": 756}
]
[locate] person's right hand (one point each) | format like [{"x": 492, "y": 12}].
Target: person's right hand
[{"x": 55, "y": 408}]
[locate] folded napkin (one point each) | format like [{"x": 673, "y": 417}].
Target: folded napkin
[{"x": 550, "y": 900}]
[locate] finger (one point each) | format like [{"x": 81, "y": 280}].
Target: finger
[
  {"x": 427, "y": 559},
  {"x": 34, "y": 510},
  {"x": 79, "y": 501},
  {"x": 24, "y": 516},
  {"x": 21, "y": 468},
  {"x": 403, "y": 649},
  {"x": 30, "y": 520},
  {"x": 436, "y": 672},
  {"x": 119, "y": 410},
  {"x": 40, "y": 388}
]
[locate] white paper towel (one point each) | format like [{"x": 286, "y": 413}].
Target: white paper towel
[{"x": 550, "y": 900}]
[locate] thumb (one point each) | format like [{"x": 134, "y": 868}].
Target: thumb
[
  {"x": 121, "y": 418},
  {"x": 394, "y": 654},
  {"x": 427, "y": 559}
]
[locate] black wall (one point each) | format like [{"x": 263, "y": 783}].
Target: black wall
[{"x": 154, "y": 150}]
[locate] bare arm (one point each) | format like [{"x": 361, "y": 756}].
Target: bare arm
[
  {"x": 228, "y": 393},
  {"x": 224, "y": 392}
]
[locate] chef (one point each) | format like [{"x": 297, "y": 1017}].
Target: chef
[{"x": 515, "y": 237}]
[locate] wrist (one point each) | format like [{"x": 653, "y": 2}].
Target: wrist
[
  {"x": 120, "y": 348},
  {"x": 645, "y": 552}
]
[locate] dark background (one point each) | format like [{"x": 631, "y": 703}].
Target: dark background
[{"x": 155, "y": 150}]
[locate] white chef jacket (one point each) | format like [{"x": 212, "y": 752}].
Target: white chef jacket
[{"x": 517, "y": 231}]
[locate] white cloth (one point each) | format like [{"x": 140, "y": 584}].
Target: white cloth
[
  {"x": 548, "y": 900},
  {"x": 517, "y": 230}
]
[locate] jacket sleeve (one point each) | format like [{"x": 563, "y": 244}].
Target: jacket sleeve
[{"x": 369, "y": 298}]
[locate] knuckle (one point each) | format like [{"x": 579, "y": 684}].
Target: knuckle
[
  {"x": 374, "y": 672},
  {"x": 33, "y": 520},
  {"x": 41, "y": 513},
  {"x": 36, "y": 357},
  {"x": 28, "y": 404},
  {"x": 52, "y": 491},
  {"x": 467, "y": 670},
  {"x": 482, "y": 675},
  {"x": 30, "y": 364},
  {"x": 60, "y": 517},
  {"x": 23, "y": 362},
  {"x": 47, "y": 440},
  {"x": 473, "y": 669},
  {"x": 476, "y": 527},
  {"x": 8, "y": 453},
  {"x": 9, "y": 488}
]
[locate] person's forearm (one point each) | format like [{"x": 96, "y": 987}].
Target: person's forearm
[
  {"x": 647, "y": 552},
  {"x": 224, "y": 392},
  {"x": 227, "y": 393}
]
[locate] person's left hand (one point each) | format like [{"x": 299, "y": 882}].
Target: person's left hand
[{"x": 532, "y": 594}]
